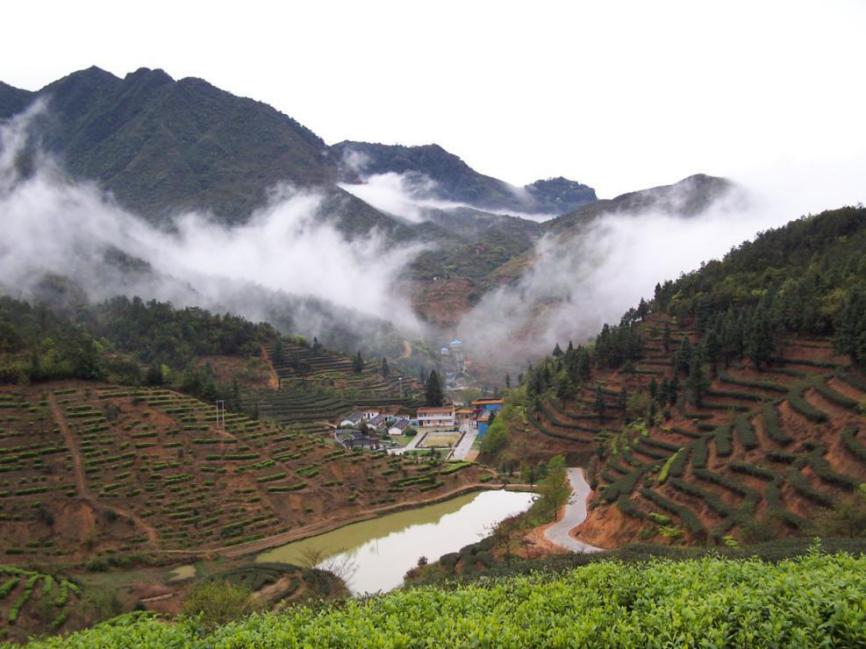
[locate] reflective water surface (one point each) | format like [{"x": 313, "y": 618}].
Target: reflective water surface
[{"x": 377, "y": 553}]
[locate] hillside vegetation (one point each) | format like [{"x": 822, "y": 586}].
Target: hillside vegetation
[
  {"x": 808, "y": 602},
  {"x": 89, "y": 469},
  {"x": 729, "y": 409}
]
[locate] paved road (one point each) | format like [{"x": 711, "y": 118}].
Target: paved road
[
  {"x": 465, "y": 445},
  {"x": 573, "y": 515}
]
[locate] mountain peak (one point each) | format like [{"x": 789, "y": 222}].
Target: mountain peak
[{"x": 150, "y": 75}]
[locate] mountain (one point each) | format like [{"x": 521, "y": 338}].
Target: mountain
[
  {"x": 162, "y": 146},
  {"x": 455, "y": 181},
  {"x": 13, "y": 100},
  {"x": 689, "y": 197}
]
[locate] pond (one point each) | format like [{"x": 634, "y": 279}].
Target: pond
[{"x": 374, "y": 555}]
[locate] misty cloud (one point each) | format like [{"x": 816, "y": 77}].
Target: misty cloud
[
  {"x": 53, "y": 225},
  {"x": 575, "y": 284},
  {"x": 412, "y": 196}
]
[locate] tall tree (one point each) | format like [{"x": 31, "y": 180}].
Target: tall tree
[
  {"x": 358, "y": 363},
  {"x": 386, "y": 371},
  {"x": 599, "y": 403},
  {"x": 277, "y": 352},
  {"x": 696, "y": 382},
  {"x": 434, "y": 390}
]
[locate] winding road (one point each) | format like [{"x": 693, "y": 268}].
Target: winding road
[{"x": 574, "y": 513}]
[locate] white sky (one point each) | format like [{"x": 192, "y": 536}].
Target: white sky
[{"x": 620, "y": 95}]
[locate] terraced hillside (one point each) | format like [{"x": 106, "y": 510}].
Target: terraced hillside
[
  {"x": 730, "y": 408},
  {"x": 89, "y": 468},
  {"x": 32, "y": 601},
  {"x": 763, "y": 454},
  {"x": 318, "y": 386}
]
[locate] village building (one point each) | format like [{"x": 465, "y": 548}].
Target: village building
[
  {"x": 487, "y": 405},
  {"x": 352, "y": 421},
  {"x": 465, "y": 416},
  {"x": 436, "y": 417},
  {"x": 398, "y": 427},
  {"x": 379, "y": 422},
  {"x": 482, "y": 422},
  {"x": 350, "y": 438},
  {"x": 370, "y": 413}
]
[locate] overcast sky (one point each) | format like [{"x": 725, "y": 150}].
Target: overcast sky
[{"x": 619, "y": 95}]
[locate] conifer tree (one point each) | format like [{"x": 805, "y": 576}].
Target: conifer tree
[
  {"x": 434, "y": 390},
  {"x": 599, "y": 403}
]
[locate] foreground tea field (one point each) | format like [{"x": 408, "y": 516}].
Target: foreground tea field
[{"x": 814, "y": 601}]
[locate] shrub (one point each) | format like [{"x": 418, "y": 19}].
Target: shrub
[
  {"x": 745, "y": 432},
  {"x": 214, "y": 603},
  {"x": 834, "y": 397},
  {"x": 803, "y": 407},
  {"x": 852, "y": 444},
  {"x": 722, "y": 437},
  {"x": 771, "y": 425}
]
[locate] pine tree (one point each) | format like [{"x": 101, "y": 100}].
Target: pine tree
[
  {"x": 760, "y": 344},
  {"x": 358, "y": 363},
  {"x": 599, "y": 403},
  {"x": 557, "y": 351},
  {"x": 697, "y": 382},
  {"x": 712, "y": 349},
  {"x": 584, "y": 365},
  {"x": 666, "y": 338},
  {"x": 673, "y": 390},
  {"x": 683, "y": 357},
  {"x": 153, "y": 376},
  {"x": 386, "y": 371},
  {"x": 653, "y": 388},
  {"x": 508, "y": 381},
  {"x": 434, "y": 390},
  {"x": 277, "y": 353}
]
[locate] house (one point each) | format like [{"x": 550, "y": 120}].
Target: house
[
  {"x": 487, "y": 405},
  {"x": 465, "y": 416},
  {"x": 398, "y": 427},
  {"x": 482, "y": 422},
  {"x": 352, "y": 421},
  {"x": 442, "y": 417},
  {"x": 370, "y": 413},
  {"x": 378, "y": 423},
  {"x": 356, "y": 439}
]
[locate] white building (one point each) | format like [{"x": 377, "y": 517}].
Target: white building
[
  {"x": 398, "y": 427},
  {"x": 441, "y": 417}
]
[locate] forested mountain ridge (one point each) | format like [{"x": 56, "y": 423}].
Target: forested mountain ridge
[
  {"x": 727, "y": 409},
  {"x": 689, "y": 197},
  {"x": 454, "y": 180},
  {"x": 162, "y": 146}
]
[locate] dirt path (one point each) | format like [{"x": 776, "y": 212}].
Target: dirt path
[
  {"x": 273, "y": 378},
  {"x": 72, "y": 445},
  {"x": 574, "y": 513},
  {"x": 81, "y": 487}
]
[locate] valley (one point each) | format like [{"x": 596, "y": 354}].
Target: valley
[{"x": 257, "y": 389}]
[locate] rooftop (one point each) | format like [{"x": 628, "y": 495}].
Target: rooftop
[{"x": 438, "y": 410}]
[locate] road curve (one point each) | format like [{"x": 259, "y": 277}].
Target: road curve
[{"x": 574, "y": 513}]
